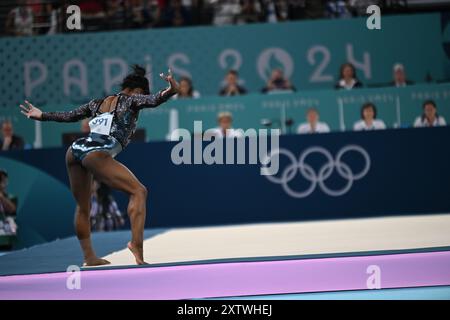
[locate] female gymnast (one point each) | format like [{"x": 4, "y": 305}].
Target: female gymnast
[{"x": 113, "y": 123}]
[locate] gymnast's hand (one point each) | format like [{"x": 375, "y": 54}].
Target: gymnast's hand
[
  {"x": 31, "y": 111},
  {"x": 174, "y": 86}
]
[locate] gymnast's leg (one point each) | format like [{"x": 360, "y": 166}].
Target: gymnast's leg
[
  {"x": 117, "y": 176},
  {"x": 80, "y": 184}
]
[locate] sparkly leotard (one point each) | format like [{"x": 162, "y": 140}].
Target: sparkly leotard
[{"x": 123, "y": 125}]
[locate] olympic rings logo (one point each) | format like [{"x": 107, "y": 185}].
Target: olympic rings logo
[{"x": 320, "y": 177}]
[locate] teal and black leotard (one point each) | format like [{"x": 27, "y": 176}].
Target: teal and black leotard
[{"x": 123, "y": 125}]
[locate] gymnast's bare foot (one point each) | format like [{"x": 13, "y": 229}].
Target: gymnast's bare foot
[
  {"x": 94, "y": 261},
  {"x": 137, "y": 252}
]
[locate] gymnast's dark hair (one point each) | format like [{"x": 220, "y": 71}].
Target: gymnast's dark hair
[{"x": 136, "y": 79}]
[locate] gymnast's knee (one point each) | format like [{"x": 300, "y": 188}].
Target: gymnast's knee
[
  {"x": 83, "y": 211},
  {"x": 140, "y": 191}
]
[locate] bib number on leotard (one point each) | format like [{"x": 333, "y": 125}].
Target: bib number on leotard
[{"x": 101, "y": 124}]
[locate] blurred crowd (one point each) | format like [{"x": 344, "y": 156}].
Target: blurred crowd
[
  {"x": 37, "y": 17},
  {"x": 279, "y": 83},
  {"x": 8, "y": 206}
]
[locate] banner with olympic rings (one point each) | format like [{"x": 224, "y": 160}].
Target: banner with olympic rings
[{"x": 324, "y": 176}]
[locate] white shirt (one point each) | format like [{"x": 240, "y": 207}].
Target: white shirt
[
  {"x": 226, "y": 12},
  {"x": 321, "y": 127},
  {"x": 23, "y": 24},
  {"x": 361, "y": 125},
  {"x": 345, "y": 85},
  {"x": 423, "y": 122},
  {"x": 195, "y": 95},
  {"x": 231, "y": 133}
]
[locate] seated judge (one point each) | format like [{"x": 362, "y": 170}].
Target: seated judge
[{"x": 312, "y": 124}]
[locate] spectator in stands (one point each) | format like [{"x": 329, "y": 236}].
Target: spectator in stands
[
  {"x": 313, "y": 125},
  {"x": 305, "y": 9},
  {"x": 175, "y": 14},
  {"x": 8, "y": 206},
  {"x": 201, "y": 12},
  {"x": 94, "y": 14},
  {"x": 250, "y": 12},
  {"x": 269, "y": 11},
  {"x": 296, "y": 9},
  {"x": 429, "y": 117},
  {"x": 46, "y": 16},
  {"x": 369, "y": 119},
  {"x": 105, "y": 214},
  {"x": 226, "y": 12},
  {"x": 186, "y": 89},
  {"x": 120, "y": 14},
  {"x": 39, "y": 16},
  {"x": 347, "y": 77},
  {"x": 225, "y": 129},
  {"x": 274, "y": 10},
  {"x": 399, "y": 76},
  {"x": 278, "y": 83},
  {"x": 138, "y": 14},
  {"x": 358, "y": 8},
  {"x": 338, "y": 9},
  {"x": 9, "y": 140},
  {"x": 232, "y": 87},
  {"x": 8, "y": 202},
  {"x": 55, "y": 18},
  {"x": 19, "y": 21}
]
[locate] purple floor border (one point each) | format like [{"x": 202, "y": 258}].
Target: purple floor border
[{"x": 236, "y": 279}]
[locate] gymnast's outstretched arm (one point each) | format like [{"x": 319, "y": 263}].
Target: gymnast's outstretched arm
[{"x": 77, "y": 114}]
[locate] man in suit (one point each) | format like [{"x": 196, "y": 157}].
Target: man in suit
[
  {"x": 399, "y": 76},
  {"x": 9, "y": 140}
]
